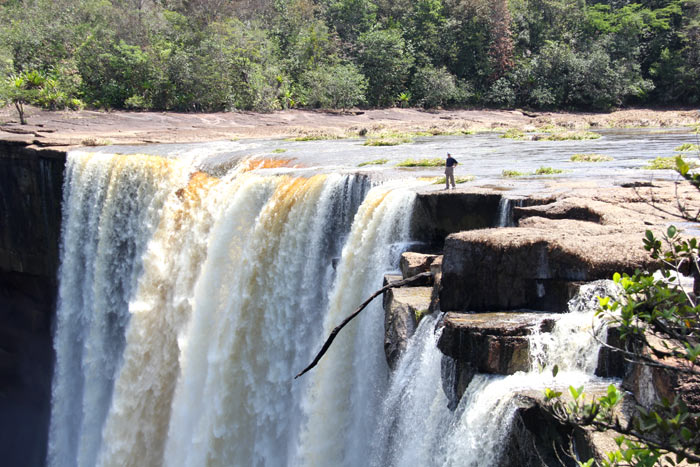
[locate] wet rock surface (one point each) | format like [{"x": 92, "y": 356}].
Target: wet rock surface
[
  {"x": 492, "y": 342},
  {"x": 403, "y": 308},
  {"x": 440, "y": 213}
]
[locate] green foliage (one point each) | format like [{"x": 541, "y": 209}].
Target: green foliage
[
  {"x": 386, "y": 63},
  {"x": 590, "y": 157},
  {"x": 374, "y": 162},
  {"x": 214, "y": 55},
  {"x": 659, "y": 323},
  {"x": 335, "y": 87},
  {"x": 513, "y": 133},
  {"x": 51, "y": 91},
  {"x": 547, "y": 171},
  {"x": 389, "y": 139},
  {"x": 435, "y": 162},
  {"x": 667, "y": 163},
  {"x": 568, "y": 136},
  {"x": 458, "y": 180},
  {"x": 687, "y": 147},
  {"x": 434, "y": 87},
  {"x": 513, "y": 173}
]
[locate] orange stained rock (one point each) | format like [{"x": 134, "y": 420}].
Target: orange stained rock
[{"x": 255, "y": 164}]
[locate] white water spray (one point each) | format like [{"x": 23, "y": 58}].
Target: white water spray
[{"x": 187, "y": 304}]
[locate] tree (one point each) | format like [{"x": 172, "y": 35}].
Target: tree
[
  {"x": 336, "y": 87},
  {"x": 434, "y": 87},
  {"x": 386, "y": 63}
]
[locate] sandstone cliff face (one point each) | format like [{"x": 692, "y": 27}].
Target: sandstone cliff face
[
  {"x": 31, "y": 183},
  {"x": 582, "y": 236},
  {"x": 440, "y": 213}
]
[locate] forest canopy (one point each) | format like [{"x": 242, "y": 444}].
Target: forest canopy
[{"x": 213, "y": 55}]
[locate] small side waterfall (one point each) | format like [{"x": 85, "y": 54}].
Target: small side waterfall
[
  {"x": 418, "y": 429},
  {"x": 505, "y": 211}
]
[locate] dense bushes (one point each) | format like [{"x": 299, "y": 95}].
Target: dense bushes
[{"x": 207, "y": 55}]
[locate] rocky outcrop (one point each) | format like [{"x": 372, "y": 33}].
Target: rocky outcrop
[
  {"x": 492, "y": 342},
  {"x": 584, "y": 236},
  {"x": 536, "y": 438},
  {"x": 440, "y": 213},
  {"x": 414, "y": 263},
  {"x": 403, "y": 309},
  {"x": 31, "y": 184}
]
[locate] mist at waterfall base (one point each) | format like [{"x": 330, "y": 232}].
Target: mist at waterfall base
[{"x": 188, "y": 302}]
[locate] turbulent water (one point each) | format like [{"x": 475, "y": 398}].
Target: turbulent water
[
  {"x": 417, "y": 428},
  {"x": 188, "y": 302}
]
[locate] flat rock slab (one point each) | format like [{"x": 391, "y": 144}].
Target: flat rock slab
[
  {"x": 415, "y": 263},
  {"x": 492, "y": 342},
  {"x": 583, "y": 236}
]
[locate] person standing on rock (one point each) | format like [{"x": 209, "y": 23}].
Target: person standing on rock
[{"x": 450, "y": 164}]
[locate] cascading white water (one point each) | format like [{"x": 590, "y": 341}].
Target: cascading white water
[
  {"x": 418, "y": 429},
  {"x": 187, "y": 304}
]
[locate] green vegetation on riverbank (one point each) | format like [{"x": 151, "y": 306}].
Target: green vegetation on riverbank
[{"x": 277, "y": 54}]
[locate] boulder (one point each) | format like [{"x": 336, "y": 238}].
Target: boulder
[
  {"x": 415, "y": 263},
  {"x": 582, "y": 234},
  {"x": 403, "y": 308},
  {"x": 536, "y": 267},
  {"x": 492, "y": 342},
  {"x": 439, "y": 213}
]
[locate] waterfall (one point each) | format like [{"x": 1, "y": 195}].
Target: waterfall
[
  {"x": 418, "y": 429},
  {"x": 505, "y": 211},
  {"x": 188, "y": 302}
]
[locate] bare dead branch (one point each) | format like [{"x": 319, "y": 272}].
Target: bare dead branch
[{"x": 337, "y": 329}]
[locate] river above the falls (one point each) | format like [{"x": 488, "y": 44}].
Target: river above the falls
[{"x": 483, "y": 156}]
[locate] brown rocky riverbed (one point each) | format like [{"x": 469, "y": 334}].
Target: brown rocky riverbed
[{"x": 89, "y": 128}]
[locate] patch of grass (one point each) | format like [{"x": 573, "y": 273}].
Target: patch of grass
[
  {"x": 667, "y": 163},
  {"x": 312, "y": 138},
  {"x": 95, "y": 142},
  {"x": 568, "y": 136},
  {"x": 557, "y": 134},
  {"x": 590, "y": 157},
  {"x": 513, "y": 174},
  {"x": 458, "y": 180},
  {"x": 514, "y": 133},
  {"x": 279, "y": 151},
  {"x": 687, "y": 147},
  {"x": 374, "y": 162},
  {"x": 420, "y": 313},
  {"x": 547, "y": 171},
  {"x": 389, "y": 139},
  {"x": 436, "y": 162}
]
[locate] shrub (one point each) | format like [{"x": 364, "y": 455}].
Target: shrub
[
  {"x": 434, "y": 87},
  {"x": 334, "y": 86},
  {"x": 513, "y": 173}
]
